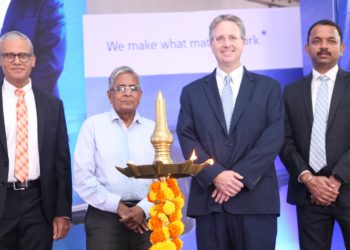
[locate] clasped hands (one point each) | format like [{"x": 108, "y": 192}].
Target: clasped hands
[
  {"x": 227, "y": 184},
  {"x": 132, "y": 217},
  {"x": 324, "y": 190}
]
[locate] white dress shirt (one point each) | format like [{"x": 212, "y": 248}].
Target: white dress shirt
[
  {"x": 105, "y": 142},
  {"x": 9, "y": 99},
  {"x": 236, "y": 76}
]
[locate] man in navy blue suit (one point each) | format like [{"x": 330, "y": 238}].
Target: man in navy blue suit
[
  {"x": 236, "y": 118},
  {"x": 43, "y": 21},
  {"x": 319, "y": 167}
]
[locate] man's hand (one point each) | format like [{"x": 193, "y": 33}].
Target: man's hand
[
  {"x": 61, "y": 226},
  {"x": 219, "y": 196},
  {"x": 335, "y": 183},
  {"x": 133, "y": 218},
  {"x": 227, "y": 184},
  {"x": 323, "y": 190}
]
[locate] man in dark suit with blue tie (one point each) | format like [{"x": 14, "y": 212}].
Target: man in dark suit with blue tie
[
  {"x": 43, "y": 21},
  {"x": 316, "y": 151},
  {"x": 35, "y": 174},
  {"x": 236, "y": 118}
]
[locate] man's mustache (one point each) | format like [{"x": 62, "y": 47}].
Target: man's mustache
[{"x": 324, "y": 52}]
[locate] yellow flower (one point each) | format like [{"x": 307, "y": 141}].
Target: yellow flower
[
  {"x": 169, "y": 245},
  {"x": 168, "y": 193},
  {"x": 169, "y": 207},
  {"x": 163, "y": 186},
  {"x": 179, "y": 202},
  {"x": 163, "y": 218},
  {"x": 153, "y": 211},
  {"x": 152, "y": 196}
]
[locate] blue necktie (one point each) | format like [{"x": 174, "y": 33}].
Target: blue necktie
[
  {"x": 227, "y": 101},
  {"x": 318, "y": 135}
]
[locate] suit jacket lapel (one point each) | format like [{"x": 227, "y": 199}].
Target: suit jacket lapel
[
  {"x": 341, "y": 83},
  {"x": 40, "y": 116},
  {"x": 3, "y": 141},
  {"x": 245, "y": 90},
  {"x": 212, "y": 92},
  {"x": 307, "y": 98}
]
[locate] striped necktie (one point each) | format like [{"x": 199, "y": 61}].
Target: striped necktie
[
  {"x": 227, "y": 101},
  {"x": 21, "y": 155},
  {"x": 318, "y": 135}
]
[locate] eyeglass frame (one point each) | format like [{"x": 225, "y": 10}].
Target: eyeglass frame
[
  {"x": 124, "y": 88},
  {"x": 20, "y": 56}
]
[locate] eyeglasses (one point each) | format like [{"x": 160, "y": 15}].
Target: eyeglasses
[
  {"x": 230, "y": 38},
  {"x": 11, "y": 57},
  {"x": 124, "y": 89}
]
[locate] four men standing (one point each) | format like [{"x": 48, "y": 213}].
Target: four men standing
[{"x": 232, "y": 115}]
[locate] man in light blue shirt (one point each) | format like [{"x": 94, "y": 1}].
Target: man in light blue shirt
[{"x": 118, "y": 207}]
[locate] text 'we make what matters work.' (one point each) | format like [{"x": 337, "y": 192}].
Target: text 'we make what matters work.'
[{"x": 153, "y": 45}]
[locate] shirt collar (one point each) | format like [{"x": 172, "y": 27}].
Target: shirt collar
[
  {"x": 331, "y": 74},
  {"x": 10, "y": 87},
  {"x": 236, "y": 74},
  {"x": 114, "y": 116}
]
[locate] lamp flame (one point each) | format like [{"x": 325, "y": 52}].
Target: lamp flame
[{"x": 210, "y": 161}]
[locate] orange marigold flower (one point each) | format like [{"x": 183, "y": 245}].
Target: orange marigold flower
[
  {"x": 177, "y": 215},
  {"x": 155, "y": 186},
  {"x": 172, "y": 183},
  {"x": 178, "y": 243},
  {"x": 159, "y": 207},
  {"x": 154, "y": 222},
  {"x": 159, "y": 235},
  {"x": 160, "y": 197},
  {"x": 176, "y": 228}
]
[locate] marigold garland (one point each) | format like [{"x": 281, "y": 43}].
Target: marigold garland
[{"x": 166, "y": 214}]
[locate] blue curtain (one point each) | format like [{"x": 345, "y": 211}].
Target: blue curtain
[{"x": 342, "y": 16}]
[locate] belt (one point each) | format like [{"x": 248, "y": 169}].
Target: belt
[
  {"x": 131, "y": 203},
  {"x": 18, "y": 186}
]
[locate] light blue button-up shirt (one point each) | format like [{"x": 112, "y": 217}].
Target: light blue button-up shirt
[{"x": 103, "y": 143}]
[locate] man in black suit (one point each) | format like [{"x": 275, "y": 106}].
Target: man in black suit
[
  {"x": 239, "y": 124},
  {"x": 43, "y": 22},
  {"x": 36, "y": 195},
  {"x": 316, "y": 150}
]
